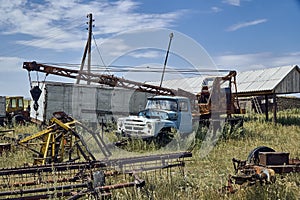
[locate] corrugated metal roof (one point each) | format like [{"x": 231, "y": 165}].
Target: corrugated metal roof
[
  {"x": 261, "y": 80},
  {"x": 254, "y": 81},
  {"x": 192, "y": 85}
]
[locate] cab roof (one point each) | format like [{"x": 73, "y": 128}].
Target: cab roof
[{"x": 169, "y": 97}]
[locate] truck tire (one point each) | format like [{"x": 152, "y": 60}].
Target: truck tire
[
  {"x": 164, "y": 137},
  {"x": 19, "y": 120}
]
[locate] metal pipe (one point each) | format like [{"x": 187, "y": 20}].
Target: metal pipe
[
  {"x": 166, "y": 59},
  {"x": 36, "y": 190}
]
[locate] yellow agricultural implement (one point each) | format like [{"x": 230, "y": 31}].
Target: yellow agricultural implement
[{"x": 60, "y": 142}]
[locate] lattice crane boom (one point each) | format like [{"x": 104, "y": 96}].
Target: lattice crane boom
[{"x": 110, "y": 80}]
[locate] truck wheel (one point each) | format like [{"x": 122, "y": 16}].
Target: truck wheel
[
  {"x": 19, "y": 119},
  {"x": 164, "y": 137}
]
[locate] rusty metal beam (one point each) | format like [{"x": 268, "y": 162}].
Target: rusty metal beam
[
  {"x": 121, "y": 162},
  {"x": 110, "y": 80},
  {"x": 45, "y": 189},
  {"x": 78, "y": 176}
]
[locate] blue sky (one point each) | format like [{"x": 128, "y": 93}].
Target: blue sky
[{"x": 236, "y": 34}]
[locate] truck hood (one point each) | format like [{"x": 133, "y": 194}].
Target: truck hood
[
  {"x": 143, "y": 127},
  {"x": 145, "y": 120}
]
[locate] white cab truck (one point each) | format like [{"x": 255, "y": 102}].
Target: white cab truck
[{"x": 162, "y": 113}]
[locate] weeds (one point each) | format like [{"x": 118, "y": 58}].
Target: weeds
[{"x": 205, "y": 175}]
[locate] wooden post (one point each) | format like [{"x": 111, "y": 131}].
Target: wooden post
[
  {"x": 89, "y": 45},
  {"x": 274, "y": 108},
  {"x": 87, "y": 50},
  {"x": 267, "y": 107}
]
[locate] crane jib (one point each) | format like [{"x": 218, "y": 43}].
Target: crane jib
[{"x": 110, "y": 80}]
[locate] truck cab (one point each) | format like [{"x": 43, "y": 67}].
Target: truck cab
[
  {"x": 14, "y": 108},
  {"x": 14, "y": 104},
  {"x": 162, "y": 113}
]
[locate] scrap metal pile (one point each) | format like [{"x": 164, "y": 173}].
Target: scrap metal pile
[
  {"x": 260, "y": 167},
  {"x": 64, "y": 165}
]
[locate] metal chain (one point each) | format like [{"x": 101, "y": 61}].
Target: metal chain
[
  {"x": 29, "y": 79},
  {"x": 44, "y": 81},
  {"x": 37, "y": 78}
]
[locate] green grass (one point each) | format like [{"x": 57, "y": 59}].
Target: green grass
[{"x": 204, "y": 176}]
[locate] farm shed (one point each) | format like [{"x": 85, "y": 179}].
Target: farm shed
[
  {"x": 265, "y": 83},
  {"x": 269, "y": 83}
]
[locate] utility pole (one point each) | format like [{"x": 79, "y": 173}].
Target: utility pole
[
  {"x": 87, "y": 49},
  {"x": 166, "y": 59}
]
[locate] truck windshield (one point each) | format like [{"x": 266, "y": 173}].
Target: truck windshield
[{"x": 162, "y": 104}]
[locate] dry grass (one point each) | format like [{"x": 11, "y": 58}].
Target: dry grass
[{"x": 204, "y": 176}]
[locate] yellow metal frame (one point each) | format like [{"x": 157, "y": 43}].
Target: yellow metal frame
[{"x": 51, "y": 147}]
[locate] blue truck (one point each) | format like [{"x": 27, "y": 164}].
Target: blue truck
[{"x": 162, "y": 114}]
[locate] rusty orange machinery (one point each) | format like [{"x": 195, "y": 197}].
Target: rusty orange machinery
[
  {"x": 262, "y": 165},
  {"x": 220, "y": 97}
]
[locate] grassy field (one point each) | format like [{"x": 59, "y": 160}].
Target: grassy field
[{"x": 204, "y": 176}]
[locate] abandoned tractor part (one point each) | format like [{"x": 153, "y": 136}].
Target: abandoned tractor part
[
  {"x": 279, "y": 162},
  {"x": 152, "y": 162},
  {"x": 124, "y": 165},
  {"x": 261, "y": 165},
  {"x": 68, "y": 190},
  {"x": 105, "y": 190},
  {"x": 253, "y": 156},
  {"x": 251, "y": 173},
  {"x": 76, "y": 180},
  {"x": 60, "y": 141}
]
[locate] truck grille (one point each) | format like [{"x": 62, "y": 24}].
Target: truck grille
[{"x": 134, "y": 126}]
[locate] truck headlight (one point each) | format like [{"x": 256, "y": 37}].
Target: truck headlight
[
  {"x": 149, "y": 125},
  {"x": 120, "y": 124}
]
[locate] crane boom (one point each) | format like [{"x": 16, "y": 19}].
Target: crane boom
[
  {"x": 110, "y": 80},
  {"x": 205, "y": 108}
]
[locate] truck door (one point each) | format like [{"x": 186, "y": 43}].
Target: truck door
[{"x": 184, "y": 117}]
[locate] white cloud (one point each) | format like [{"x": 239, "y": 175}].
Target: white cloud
[
  {"x": 246, "y": 24},
  {"x": 9, "y": 64},
  {"x": 232, "y": 2},
  {"x": 216, "y": 9},
  {"x": 244, "y": 62},
  {"x": 147, "y": 54},
  {"x": 61, "y": 23},
  {"x": 297, "y": 53},
  {"x": 58, "y": 44}
]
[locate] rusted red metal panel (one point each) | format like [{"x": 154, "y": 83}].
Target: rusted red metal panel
[{"x": 273, "y": 158}]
